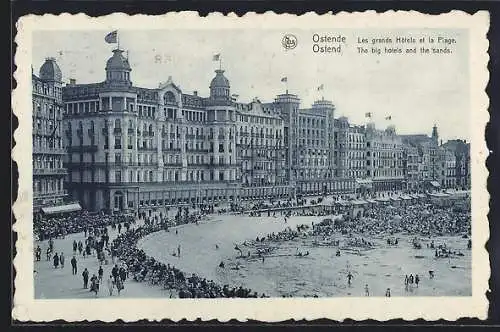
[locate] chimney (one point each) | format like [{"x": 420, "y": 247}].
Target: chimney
[
  {"x": 72, "y": 81},
  {"x": 195, "y": 93}
]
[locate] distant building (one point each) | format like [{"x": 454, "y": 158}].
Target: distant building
[
  {"x": 460, "y": 149},
  {"x": 384, "y": 158},
  {"x": 48, "y": 148},
  {"x": 350, "y": 154}
]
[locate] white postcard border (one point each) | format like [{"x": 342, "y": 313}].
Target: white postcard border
[{"x": 26, "y": 308}]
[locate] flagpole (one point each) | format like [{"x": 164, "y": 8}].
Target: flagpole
[{"x": 117, "y": 40}]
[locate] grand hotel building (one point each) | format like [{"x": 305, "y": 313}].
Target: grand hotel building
[
  {"x": 133, "y": 148},
  {"x": 48, "y": 149}
]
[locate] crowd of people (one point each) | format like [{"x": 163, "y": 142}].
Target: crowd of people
[
  {"x": 59, "y": 226},
  {"x": 420, "y": 218},
  {"x": 147, "y": 269}
]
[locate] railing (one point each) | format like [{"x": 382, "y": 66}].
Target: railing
[
  {"x": 83, "y": 148},
  {"x": 117, "y": 130},
  {"x": 49, "y": 150},
  {"x": 48, "y": 171},
  {"x": 172, "y": 150}
]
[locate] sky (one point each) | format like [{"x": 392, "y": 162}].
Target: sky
[{"x": 417, "y": 91}]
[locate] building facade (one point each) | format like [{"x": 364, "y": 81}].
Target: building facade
[
  {"x": 48, "y": 148},
  {"x": 145, "y": 149},
  {"x": 138, "y": 148},
  {"x": 384, "y": 159}
]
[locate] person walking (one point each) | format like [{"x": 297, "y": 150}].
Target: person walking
[
  {"x": 75, "y": 247},
  {"x": 388, "y": 292},
  {"x": 417, "y": 280},
  {"x": 80, "y": 247},
  {"x": 115, "y": 273},
  {"x": 119, "y": 286},
  {"x": 367, "y": 291},
  {"x": 122, "y": 273},
  {"x": 111, "y": 285},
  {"x": 94, "y": 284},
  {"x": 48, "y": 253},
  {"x": 100, "y": 272},
  {"x": 349, "y": 278},
  {"x": 61, "y": 260},
  {"x": 85, "y": 275},
  {"x": 56, "y": 261},
  {"x": 38, "y": 253},
  {"x": 74, "y": 269}
]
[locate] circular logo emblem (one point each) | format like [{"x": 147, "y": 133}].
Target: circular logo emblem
[{"x": 289, "y": 42}]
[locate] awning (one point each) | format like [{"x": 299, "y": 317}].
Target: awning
[
  {"x": 62, "y": 208},
  {"x": 438, "y": 195},
  {"x": 364, "y": 181},
  {"x": 435, "y": 184},
  {"x": 358, "y": 202},
  {"x": 371, "y": 201},
  {"x": 421, "y": 195},
  {"x": 406, "y": 197},
  {"x": 383, "y": 199},
  {"x": 395, "y": 199}
]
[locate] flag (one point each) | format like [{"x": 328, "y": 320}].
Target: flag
[
  {"x": 321, "y": 87},
  {"x": 368, "y": 115},
  {"x": 216, "y": 57},
  {"x": 284, "y": 79},
  {"x": 388, "y": 117},
  {"x": 112, "y": 37}
]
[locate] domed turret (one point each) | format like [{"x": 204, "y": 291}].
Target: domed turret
[
  {"x": 50, "y": 71},
  {"x": 219, "y": 87},
  {"x": 118, "y": 69}
]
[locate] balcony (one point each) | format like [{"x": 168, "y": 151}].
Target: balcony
[
  {"x": 152, "y": 148},
  {"x": 130, "y": 130},
  {"x": 117, "y": 130},
  {"x": 171, "y": 150},
  {"x": 83, "y": 148},
  {"x": 49, "y": 171},
  {"x": 58, "y": 151}
]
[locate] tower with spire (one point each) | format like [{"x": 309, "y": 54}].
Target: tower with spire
[{"x": 435, "y": 135}]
